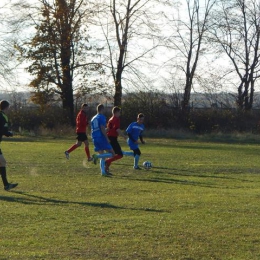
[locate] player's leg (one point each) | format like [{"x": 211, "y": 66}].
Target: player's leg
[
  {"x": 3, "y": 170},
  {"x": 137, "y": 154},
  {"x": 86, "y": 143},
  {"x": 102, "y": 163},
  {"x": 7, "y": 185},
  {"x": 128, "y": 153},
  {"x": 118, "y": 152},
  {"x": 101, "y": 144},
  {"x": 134, "y": 147},
  {"x": 73, "y": 147},
  {"x": 103, "y": 157}
]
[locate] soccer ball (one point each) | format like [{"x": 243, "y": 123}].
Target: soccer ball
[{"x": 147, "y": 165}]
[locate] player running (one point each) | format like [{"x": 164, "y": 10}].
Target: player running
[
  {"x": 4, "y": 105},
  {"x": 113, "y": 131},
  {"x": 81, "y": 130},
  {"x": 134, "y": 131},
  {"x": 100, "y": 139}
]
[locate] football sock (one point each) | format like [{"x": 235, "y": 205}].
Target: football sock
[
  {"x": 128, "y": 153},
  {"x": 102, "y": 166},
  {"x": 3, "y": 175},
  {"x": 87, "y": 151},
  {"x": 136, "y": 160},
  {"x": 104, "y": 155},
  {"x": 116, "y": 157},
  {"x": 72, "y": 148}
]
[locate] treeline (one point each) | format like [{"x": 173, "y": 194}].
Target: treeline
[
  {"x": 74, "y": 48},
  {"x": 159, "y": 114}
]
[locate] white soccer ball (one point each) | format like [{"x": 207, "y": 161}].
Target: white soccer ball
[{"x": 147, "y": 165}]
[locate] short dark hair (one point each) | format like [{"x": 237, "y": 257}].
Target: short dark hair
[
  {"x": 141, "y": 115},
  {"x": 84, "y": 105},
  {"x": 4, "y": 104},
  {"x": 116, "y": 109},
  {"x": 100, "y": 107}
]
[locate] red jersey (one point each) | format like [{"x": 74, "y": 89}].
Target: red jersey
[
  {"x": 112, "y": 125},
  {"x": 81, "y": 122}
]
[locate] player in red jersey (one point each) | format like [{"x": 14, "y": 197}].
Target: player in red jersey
[
  {"x": 81, "y": 128},
  {"x": 113, "y": 131}
]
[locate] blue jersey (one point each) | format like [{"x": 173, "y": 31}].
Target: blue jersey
[
  {"x": 135, "y": 130},
  {"x": 96, "y": 122}
]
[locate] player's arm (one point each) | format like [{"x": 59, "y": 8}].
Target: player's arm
[
  {"x": 141, "y": 138},
  {"x": 104, "y": 132},
  {"x": 4, "y": 127},
  {"x": 131, "y": 138},
  {"x": 120, "y": 133}
]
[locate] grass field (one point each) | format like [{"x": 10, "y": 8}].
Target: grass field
[{"x": 200, "y": 201}]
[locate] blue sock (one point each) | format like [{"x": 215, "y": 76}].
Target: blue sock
[
  {"x": 136, "y": 160},
  {"x": 104, "y": 155},
  {"x": 102, "y": 166},
  {"x": 128, "y": 153}
]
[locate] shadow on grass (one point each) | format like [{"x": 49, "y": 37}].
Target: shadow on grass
[
  {"x": 165, "y": 175},
  {"x": 39, "y": 200}
]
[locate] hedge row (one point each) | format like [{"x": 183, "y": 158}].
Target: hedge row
[{"x": 157, "y": 116}]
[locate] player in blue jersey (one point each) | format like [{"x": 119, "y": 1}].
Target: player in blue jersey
[
  {"x": 134, "y": 131},
  {"x": 100, "y": 139}
]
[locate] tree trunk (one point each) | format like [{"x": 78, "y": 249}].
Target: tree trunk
[{"x": 118, "y": 78}]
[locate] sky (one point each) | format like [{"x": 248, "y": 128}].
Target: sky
[{"x": 161, "y": 76}]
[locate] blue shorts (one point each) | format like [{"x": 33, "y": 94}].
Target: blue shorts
[
  {"x": 101, "y": 144},
  {"x": 132, "y": 145}
]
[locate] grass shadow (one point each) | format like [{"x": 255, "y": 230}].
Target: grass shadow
[
  {"x": 167, "y": 177},
  {"x": 40, "y": 200}
]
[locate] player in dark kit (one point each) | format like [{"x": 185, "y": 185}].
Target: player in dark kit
[
  {"x": 113, "y": 131},
  {"x": 4, "y": 105},
  {"x": 81, "y": 128}
]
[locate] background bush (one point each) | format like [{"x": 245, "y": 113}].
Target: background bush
[{"x": 159, "y": 115}]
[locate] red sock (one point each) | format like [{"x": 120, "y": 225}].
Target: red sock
[
  {"x": 72, "y": 148},
  {"x": 87, "y": 151},
  {"x": 116, "y": 157}
]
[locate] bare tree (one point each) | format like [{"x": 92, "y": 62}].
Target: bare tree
[
  {"x": 131, "y": 35},
  {"x": 189, "y": 26},
  {"x": 236, "y": 29},
  {"x": 7, "y": 36}
]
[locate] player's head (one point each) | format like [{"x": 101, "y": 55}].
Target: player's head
[
  {"x": 84, "y": 106},
  {"x": 116, "y": 111},
  {"x": 100, "y": 108},
  {"x": 140, "y": 118},
  {"x": 4, "y": 105}
]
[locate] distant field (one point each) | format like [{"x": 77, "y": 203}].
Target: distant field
[{"x": 200, "y": 201}]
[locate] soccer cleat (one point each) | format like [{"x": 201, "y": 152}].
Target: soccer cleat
[
  {"x": 137, "y": 168},
  {"x": 104, "y": 175},
  {"x": 67, "y": 154},
  {"x": 10, "y": 186},
  {"x": 90, "y": 159},
  {"x": 95, "y": 158}
]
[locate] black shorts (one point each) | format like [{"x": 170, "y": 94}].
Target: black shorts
[
  {"x": 1, "y": 152},
  {"x": 137, "y": 152},
  {"x": 82, "y": 137},
  {"x": 115, "y": 145}
]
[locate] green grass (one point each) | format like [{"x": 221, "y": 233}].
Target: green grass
[{"x": 200, "y": 201}]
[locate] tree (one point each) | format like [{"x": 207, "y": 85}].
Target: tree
[
  {"x": 187, "y": 39},
  {"x": 236, "y": 29},
  {"x": 130, "y": 32},
  {"x": 7, "y": 36},
  {"x": 59, "y": 50}
]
